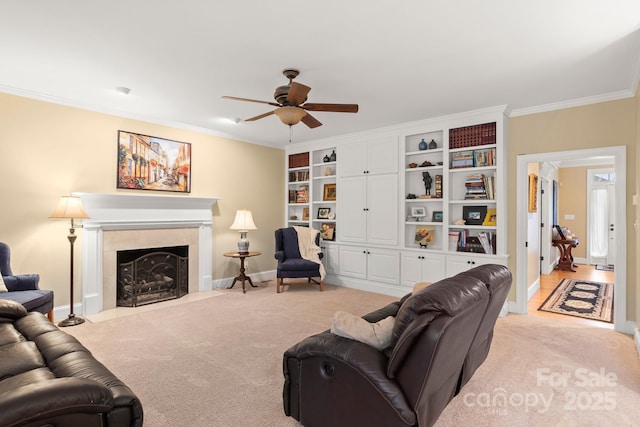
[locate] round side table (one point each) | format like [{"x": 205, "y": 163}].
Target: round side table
[{"x": 242, "y": 277}]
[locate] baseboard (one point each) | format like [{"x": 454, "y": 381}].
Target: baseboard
[
  {"x": 261, "y": 276},
  {"x": 531, "y": 291},
  {"x": 636, "y": 338}
]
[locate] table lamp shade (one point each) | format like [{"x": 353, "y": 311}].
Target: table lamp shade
[
  {"x": 69, "y": 207},
  {"x": 243, "y": 223}
]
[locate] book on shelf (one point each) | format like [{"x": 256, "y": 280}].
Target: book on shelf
[
  {"x": 301, "y": 194},
  {"x": 438, "y": 186},
  {"x": 296, "y": 176},
  {"x": 485, "y": 241},
  {"x": 470, "y": 136},
  {"x": 453, "y": 240}
]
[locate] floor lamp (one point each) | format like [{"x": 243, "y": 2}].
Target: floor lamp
[{"x": 70, "y": 207}]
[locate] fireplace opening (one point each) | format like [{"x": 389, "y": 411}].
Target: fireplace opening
[{"x": 146, "y": 276}]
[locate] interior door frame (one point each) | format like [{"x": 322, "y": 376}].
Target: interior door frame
[{"x": 619, "y": 156}]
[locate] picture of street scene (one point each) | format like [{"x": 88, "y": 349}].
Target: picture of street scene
[{"x": 150, "y": 163}]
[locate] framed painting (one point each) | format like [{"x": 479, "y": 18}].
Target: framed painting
[
  {"x": 328, "y": 231},
  {"x": 329, "y": 192},
  {"x": 152, "y": 163},
  {"x": 323, "y": 213}
]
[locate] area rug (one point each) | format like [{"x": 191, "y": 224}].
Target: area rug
[
  {"x": 607, "y": 267},
  {"x": 581, "y": 298}
]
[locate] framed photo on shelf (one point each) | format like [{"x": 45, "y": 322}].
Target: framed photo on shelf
[
  {"x": 305, "y": 214},
  {"x": 418, "y": 212},
  {"x": 323, "y": 213},
  {"x": 151, "y": 163},
  {"x": 424, "y": 236},
  {"x": 329, "y": 193},
  {"x": 436, "y": 216},
  {"x": 490, "y": 217},
  {"x": 473, "y": 215},
  {"x": 328, "y": 231}
]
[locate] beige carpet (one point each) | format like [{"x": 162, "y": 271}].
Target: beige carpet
[{"x": 218, "y": 362}]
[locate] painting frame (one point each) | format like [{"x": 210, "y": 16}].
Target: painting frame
[
  {"x": 329, "y": 192},
  {"x": 437, "y": 216},
  {"x": 323, "y": 213},
  {"x": 533, "y": 192},
  {"x": 152, "y": 163},
  {"x": 328, "y": 231},
  {"x": 305, "y": 214},
  {"x": 474, "y": 215},
  {"x": 418, "y": 211}
]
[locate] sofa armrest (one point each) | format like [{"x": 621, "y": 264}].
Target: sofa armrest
[
  {"x": 11, "y": 309},
  {"x": 22, "y": 282},
  {"x": 335, "y": 362},
  {"x": 54, "y": 399}
]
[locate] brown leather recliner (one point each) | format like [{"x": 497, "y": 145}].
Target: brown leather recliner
[
  {"x": 335, "y": 381},
  {"x": 47, "y": 378}
]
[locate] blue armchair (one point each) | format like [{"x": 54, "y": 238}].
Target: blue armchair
[
  {"x": 23, "y": 288},
  {"x": 290, "y": 262}
]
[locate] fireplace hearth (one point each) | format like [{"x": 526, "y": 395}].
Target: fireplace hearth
[{"x": 151, "y": 275}]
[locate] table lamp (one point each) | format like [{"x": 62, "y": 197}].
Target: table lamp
[
  {"x": 70, "y": 207},
  {"x": 243, "y": 223}
]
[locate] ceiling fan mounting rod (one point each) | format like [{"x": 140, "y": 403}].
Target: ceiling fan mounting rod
[{"x": 291, "y": 73}]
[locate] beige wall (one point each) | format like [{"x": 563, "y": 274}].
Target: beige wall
[
  {"x": 49, "y": 150},
  {"x": 593, "y": 126}
]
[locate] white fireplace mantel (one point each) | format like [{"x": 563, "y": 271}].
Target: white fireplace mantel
[{"x": 110, "y": 212}]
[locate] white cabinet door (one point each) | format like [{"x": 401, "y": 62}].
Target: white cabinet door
[
  {"x": 425, "y": 267},
  {"x": 459, "y": 263},
  {"x": 330, "y": 258},
  {"x": 382, "y": 156},
  {"x": 369, "y": 157},
  {"x": 353, "y": 262},
  {"x": 382, "y": 209},
  {"x": 383, "y": 265},
  {"x": 353, "y": 159},
  {"x": 352, "y": 199}
]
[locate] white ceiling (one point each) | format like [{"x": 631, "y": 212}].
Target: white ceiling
[{"x": 401, "y": 61}]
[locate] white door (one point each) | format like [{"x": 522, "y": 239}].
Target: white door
[{"x": 601, "y": 214}]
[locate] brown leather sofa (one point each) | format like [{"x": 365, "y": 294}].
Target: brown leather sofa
[
  {"x": 441, "y": 335},
  {"x": 47, "y": 378}
]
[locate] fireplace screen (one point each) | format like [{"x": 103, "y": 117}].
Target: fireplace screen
[{"x": 152, "y": 275}]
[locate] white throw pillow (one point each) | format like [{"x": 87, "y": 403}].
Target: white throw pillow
[
  {"x": 377, "y": 335},
  {"x": 3, "y": 287}
]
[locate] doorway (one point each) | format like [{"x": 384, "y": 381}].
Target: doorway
[
  {"x": 601, "y": 216},
  {"x": 613, "y": 155}
]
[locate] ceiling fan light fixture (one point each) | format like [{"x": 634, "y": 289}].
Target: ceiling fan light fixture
[{"x": 290, "y": 115}]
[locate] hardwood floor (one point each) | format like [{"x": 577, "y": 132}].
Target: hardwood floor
[{"x": 549, "y": 282}]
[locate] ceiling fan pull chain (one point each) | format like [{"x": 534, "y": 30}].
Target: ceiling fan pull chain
[{"x": 290, "y": 133}]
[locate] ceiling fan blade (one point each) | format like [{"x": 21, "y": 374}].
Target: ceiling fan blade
[
  {"x": 251, "y": 100},
  {"x": 311, "y": 121},
  {"x": 261, "y": 116},
  {"x": 297, "y": 93},
  {"x": 336, "y": 108}
]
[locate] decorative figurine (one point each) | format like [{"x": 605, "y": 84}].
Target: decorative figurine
[
  {"x": 423, "y": 145},
  {"x": 427, "y": 182},
  {"x": 433, "y": 144}
]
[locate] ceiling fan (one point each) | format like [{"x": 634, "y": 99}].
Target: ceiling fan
[{"x": 290, "y": 103}]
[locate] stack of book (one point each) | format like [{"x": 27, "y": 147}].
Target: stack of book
[
  {"x": 475, "y": 186},
  {"x": 302, "y": 194}
]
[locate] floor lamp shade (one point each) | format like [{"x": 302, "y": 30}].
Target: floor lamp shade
[
  {"x": 70, "y": 207},
  {"x": 243, "y": 223}
]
